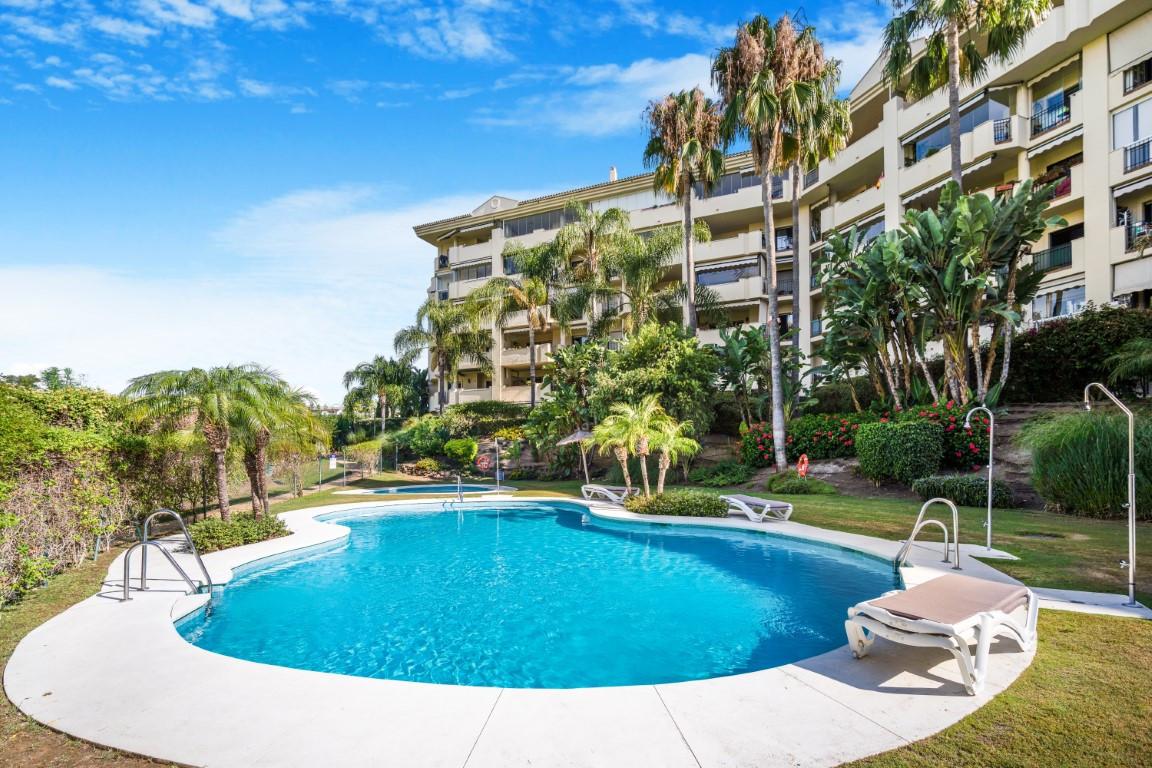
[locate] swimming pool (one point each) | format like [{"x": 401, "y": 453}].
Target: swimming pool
[
  {"x": 441, "y": 488},
  {"x": 539, "y": 595}
]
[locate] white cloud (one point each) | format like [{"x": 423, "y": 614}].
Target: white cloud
[
  {"x": 854, "y": 36},
  {"x": 129, "y": 31},
  {"x": 661, "y": 21},
  {"x": 60, "y": 82},
  {"x": 179, "y": 12},
  {"x": 326, "y": 276},
  {"x": 603, "y": 99},
  {"x": 449, "y": 34}
]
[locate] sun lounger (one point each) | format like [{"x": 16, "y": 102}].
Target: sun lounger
[
  {"x": 950, "y": 612},
  {"x": 611, "y": 493},
  {"x": 756, "y": 509}
]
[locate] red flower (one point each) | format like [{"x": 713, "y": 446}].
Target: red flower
[
  {"x": 923, "y": 414},
  {"x": 951, "y": 427},
  {"x": 973, "y": 447},
  {"x": 855, "y": 426},
  {"x": 975, "y": 467},
  {"x": 959, "y": 454},
  {"x": 951, "y": 403},
  {"x": 951, "y": 418},
  {"x": 883, "y": 421},
  {"x": 848, "y": 442}
]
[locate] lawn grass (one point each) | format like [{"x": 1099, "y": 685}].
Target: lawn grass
[
  {"x": 1084, "y": 703},
  {"x": 1055, "y": 551}
]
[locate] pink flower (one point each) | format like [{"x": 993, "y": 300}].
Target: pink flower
[
  {"x": 973, "y": 447},
  {"x": 959, "y": 454}
]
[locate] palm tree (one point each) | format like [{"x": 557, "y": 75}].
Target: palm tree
[
  {"x": 589, "y": 239},
  {"x": 769, "y": 79},
  {"x": 611, "y": 436},
  {"x": 1132, "y": 361},
  {"x": 955, "y": 32},
  {"x": 631, "y": 427},
  {"x": 211, "y": 402},
  {"x": 287, "y": 416},
  {"x": 529, "y": 291},
  {"x": 449, "y": 333},
  {"x": 642, "y": 265},
  {"x": 684, "y": 148},
  {"x": 381, "y": 377},
  {"x": 671, "y": 439}
]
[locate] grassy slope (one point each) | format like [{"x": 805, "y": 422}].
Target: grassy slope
[{"x": 1084, "y": 701}]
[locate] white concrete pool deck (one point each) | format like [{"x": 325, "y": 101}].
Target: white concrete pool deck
[{"x": 118, "y": 674}]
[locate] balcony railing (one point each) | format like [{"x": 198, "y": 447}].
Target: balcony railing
[
  {"x": 1137, "y": 235},
  {"x": 814, "y": 282},
  {"x": 811, "y": 177},
  {"x": 1052, "y": 117},
  {"x": 1002, "y": 130},
  {"x": 1138, "y": 155},
  {"x": 784, "y": 287},
  {"x": 1053, "y": 258},
  {"x": 442, "y": 261},
  {"x": 817, "y": 327},
  {"x": 442, "y": 295}
]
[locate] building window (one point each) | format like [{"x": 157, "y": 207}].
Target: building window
[
  {"x": 728, "y": 274},
  {"x": 510, "y": 267},
  {"x": 728, "y": 184},
  {"x": 1058, "y": 303},
  {"x": 1132, "y": 125},
  {"x": 815, "y": 233},
  {"x": 1137, "y": 75},
  {"x": 939, "y": 138},
  {"x": 475, "y": 272},
  {"x": 783, "y": 238},
  {"x": 527, "y": 224}
]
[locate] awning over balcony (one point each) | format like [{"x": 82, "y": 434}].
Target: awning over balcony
[
  {"x": 933, "y": 187},
  {"x": 1042, "y": 148},
  {"x": 1132, "y": 276},
  {"x": 1133, "y": 187}
]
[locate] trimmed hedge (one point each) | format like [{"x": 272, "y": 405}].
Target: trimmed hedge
[
  {"x": 214, "y": 534},
  {"x": 721, "y": 475},
  {"x": 965, "y": 449},
  {"x": 965, "y": 490},
  {"x": 820, "y": 436},
  {"x": 901, "y": 451},
  {"x": 790, "y": 482},
  {"x": 679, "y": 503}
]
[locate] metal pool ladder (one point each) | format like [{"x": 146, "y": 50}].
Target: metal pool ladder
[
  {"x": 146, "y": 542},
  {"x": 905, "y": 550}
]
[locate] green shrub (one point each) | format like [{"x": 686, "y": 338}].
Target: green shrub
[
  {"x": 901, "y": 451},
  {"x": 483, "y": 418},
  {"x": 213, "y": 534},
  {"x": 428, "y": 464},
  {"x": 836, "y": 398},
  {"x": 965, "y": 449},
  {"x": 509, "y": 434},
  {"x": 679, "y": 503},
  {"x": 791, "y": 482},
  {"x": 461, "y": 451},
  {"x": 1080, "y": 463},
  {"x": 425, "y": 436},
  {"x": 1076, "y": 347},
  {"x": 965, "y": 490},
  {"x": 721, "y": 475}
]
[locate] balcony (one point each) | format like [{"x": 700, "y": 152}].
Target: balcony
[
  {"x": 518, "y": 356},
  {"x": 470, "y": 395},
  {"x": 1053, "y": 258},
  {"x": 817, "y": 327},
  {"x": 463, "y": 288},
  {"x": 811, "y": 177},
  {"x": 860, "y": 149},
  {"x": 747, "y": 289},
  {"x": 845, "y": 212},
  {"x": 1049, "y": 119},
  {"x": 743, "y": 244},
  {"x": 1138, "y": 155},
  {"x": 521, "y": 393},
  {"x": 462, "y": 254},
  {"x": 520, "y": 319}
]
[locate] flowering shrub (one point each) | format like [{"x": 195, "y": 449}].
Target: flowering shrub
[
  {"x": 903, "y": 451},
  {"x": 965, "y": 449}
]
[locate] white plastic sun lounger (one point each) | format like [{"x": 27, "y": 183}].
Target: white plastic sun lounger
[
  {"x": 757, "y": 509},
  {"x": 611, "y": 493},
  {"x": 950, "y": 612}
]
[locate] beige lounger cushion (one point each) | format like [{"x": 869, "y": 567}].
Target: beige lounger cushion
[
  {"x": 755, "y": 501},
  {"x": 953, "y": 598}
]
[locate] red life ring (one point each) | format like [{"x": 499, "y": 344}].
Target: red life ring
[
  {"x": 483, "y": 462},
  {"x": 802, "y": 465}
]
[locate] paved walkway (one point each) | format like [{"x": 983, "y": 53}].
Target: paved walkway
[{"x": 118, "y": 674}]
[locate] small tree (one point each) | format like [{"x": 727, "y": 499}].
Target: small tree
[{"x": 671, "y": 440}]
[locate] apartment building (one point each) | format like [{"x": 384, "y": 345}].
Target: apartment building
[{"x": 1074, "y": 108}]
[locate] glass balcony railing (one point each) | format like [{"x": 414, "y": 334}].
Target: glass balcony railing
[
  {"x": 817, "y": 327},
  {"x": 1053, "y": 258}
]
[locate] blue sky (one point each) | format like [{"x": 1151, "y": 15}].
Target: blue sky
[{"x": 195, "y": 182}]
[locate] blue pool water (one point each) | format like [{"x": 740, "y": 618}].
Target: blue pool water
[
  {"x": 540, "y": 595},
  {"x": 445, "y": 488}
]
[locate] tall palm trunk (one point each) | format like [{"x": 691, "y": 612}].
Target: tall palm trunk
[
  {"x": 442, "y": 395},
  {"x": 253, "y": 473},
  {"x": 796, "y": 266},
  {"x": 216, "y": 435},
  {"x": 773, "y": 327},
  {"x": 262, "y": 440},
  {"x": 642, "y": 452},
  {"x": 664, "y": 462},
  {"x": 689, "y": 260},
  {"x": 621, "y": 455},
  {"x": 531, "y": 366},
  {"x": 953, "y": 35},
  {"x": 383, "y": 400}
]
